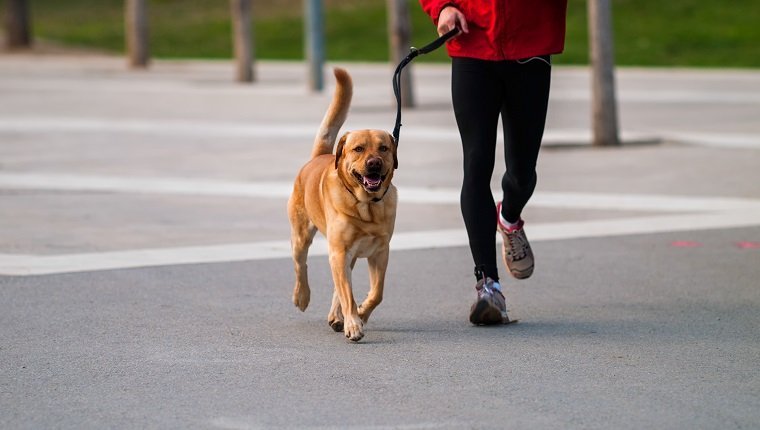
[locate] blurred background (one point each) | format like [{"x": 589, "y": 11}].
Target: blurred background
[{"x": 695, "y": 33}]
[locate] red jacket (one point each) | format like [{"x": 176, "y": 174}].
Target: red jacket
[{"x": 505, "y": 29}]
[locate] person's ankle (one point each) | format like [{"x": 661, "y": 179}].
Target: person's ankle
[
  {"x": 495, "y": 285},
  {"x": 510, "y": 226}
]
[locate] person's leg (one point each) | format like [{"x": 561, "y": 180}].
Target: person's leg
[
  {"x": 477, "y": 101},
  {"x": 523, "y": 116}
]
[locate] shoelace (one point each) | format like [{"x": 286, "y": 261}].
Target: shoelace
[
  {"x": 518, "y": 246},
  {"x": 484, "y": 289},
  {"x": 487, "y": 288}
]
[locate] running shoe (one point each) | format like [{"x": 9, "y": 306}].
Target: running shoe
[
  {"x": 490, "y": 307},
  {"x": 516, "y": 249}
]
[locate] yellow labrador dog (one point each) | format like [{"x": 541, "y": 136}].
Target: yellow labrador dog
[{"x": 349, "y": 198}]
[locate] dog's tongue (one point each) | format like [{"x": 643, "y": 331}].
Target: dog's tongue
[{"x": 372, "y": 182}]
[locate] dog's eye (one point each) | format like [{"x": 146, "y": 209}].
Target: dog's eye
[
  {"x": 359, "y": 149},
  {"x": 384, "y": 148}
]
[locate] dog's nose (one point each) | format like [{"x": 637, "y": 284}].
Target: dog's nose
[{"x": 375, "y": 164}]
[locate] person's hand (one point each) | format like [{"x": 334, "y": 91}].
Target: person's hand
[{"x": 450, "y": 18}]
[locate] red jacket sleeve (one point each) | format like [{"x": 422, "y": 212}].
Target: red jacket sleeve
[{"x": 434, "y": 7}]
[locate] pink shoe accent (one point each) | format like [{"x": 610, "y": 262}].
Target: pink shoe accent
[{"x": 506, "y": 228}]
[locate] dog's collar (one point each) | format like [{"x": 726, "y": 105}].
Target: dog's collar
[
  {"x": 377, "y": 199},
  {"x": 373, "y": 200}
]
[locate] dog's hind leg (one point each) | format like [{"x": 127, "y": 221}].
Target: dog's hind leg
[
  {"x": 302, "y": 234},
  {"x": 378, "y": 263}
]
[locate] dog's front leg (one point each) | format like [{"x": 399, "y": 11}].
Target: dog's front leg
[
  {"x": 378, "y": 263},
  {"x": 340, "y": 264},
  {"x": 335, "y": 317}
]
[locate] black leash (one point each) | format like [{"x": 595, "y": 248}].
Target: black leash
[{"x": 413, "y": 53}]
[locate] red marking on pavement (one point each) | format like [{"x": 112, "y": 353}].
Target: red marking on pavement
[
  {"x": 748, "y": 245},
  {"x": 685, "y": 244}
]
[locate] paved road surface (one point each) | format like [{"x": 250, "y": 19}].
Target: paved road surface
[{"x": 145, "y": 278}]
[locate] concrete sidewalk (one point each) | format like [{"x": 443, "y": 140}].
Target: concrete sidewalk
[{"x": 145, "y": 278}]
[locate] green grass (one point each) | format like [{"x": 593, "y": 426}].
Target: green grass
[{"x": 647, "y": 32}]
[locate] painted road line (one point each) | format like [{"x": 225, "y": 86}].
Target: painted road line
[
  {"x": 221, "y": 129},
  {"x": 205, "y": 129},
  {"x": 663, "y": 96},
  {"x": 715, "y": 140},
  {"x": 179, "y": 87},
  {"x": 144, "y": 185},
  {"x": 409, "y": 195},
  {"x": 154, "y": 127},
  {"x": 24, "y": 265}
]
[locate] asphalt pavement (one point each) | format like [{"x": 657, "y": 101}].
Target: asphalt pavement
[{"x": 145, "y": 280}]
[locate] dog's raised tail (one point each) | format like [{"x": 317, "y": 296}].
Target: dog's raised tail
[{"x": 336, "y": 114}]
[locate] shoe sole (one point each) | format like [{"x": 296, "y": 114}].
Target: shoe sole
[
  {"x": 517, "y": 274},
  {"x": 485, "y": 314}
]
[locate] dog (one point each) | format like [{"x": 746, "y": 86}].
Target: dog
[{"x": 349, "y": 198}]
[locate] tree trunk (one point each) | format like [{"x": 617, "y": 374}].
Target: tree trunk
[
  {"x": 18, "y": 28},
  {"x": 314, "y": 43},
  {"x": 400, "y": 34},
  {"x": 136, "y": 23},
  {"x": 243, "y": 44},
  {"x": 603, "y": 101}
]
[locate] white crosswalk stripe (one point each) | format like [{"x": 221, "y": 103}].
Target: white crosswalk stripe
[{"x": 679, "y": 213}]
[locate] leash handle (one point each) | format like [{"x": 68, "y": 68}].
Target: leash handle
[
  {"x": 432, "y": 46},
  {"x": 413, "y": 53}
]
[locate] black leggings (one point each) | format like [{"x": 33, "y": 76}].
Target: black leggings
[{"x": 481, "y": 91}]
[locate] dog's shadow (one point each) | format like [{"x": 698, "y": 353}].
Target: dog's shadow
[{"x": 384, "y": 332}]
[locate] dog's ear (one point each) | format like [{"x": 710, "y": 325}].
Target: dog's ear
[
  {"x": 339, "y": 149},
  {"x": 395, "y": 150}
]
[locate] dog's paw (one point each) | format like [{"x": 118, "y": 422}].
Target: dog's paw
[
  {"x": 335, "y": 317},
  {"x": 301, "y": 297},
  {"x": 336, "y": 324},
  {"x": 353, "y": 329}
]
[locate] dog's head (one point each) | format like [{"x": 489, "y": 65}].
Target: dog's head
[{"x": 366, "y": 159}]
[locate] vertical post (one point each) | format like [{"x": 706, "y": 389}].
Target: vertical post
[
  {"x": 136, "y": 23},
  {"x": 603, "y": 100},
  {"x": 400, "y": 34},
  {"x": 314, "y": 43},
  {"x": 243, "y": 44},
  {"x": 18, "y": 30}
]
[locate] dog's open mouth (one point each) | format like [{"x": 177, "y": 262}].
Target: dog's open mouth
[{"x": 371, "y": 181}]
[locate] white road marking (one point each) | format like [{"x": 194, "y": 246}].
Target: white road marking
[
  {"x": 144, "y": 185},
  {"x": 23, "y": 265},
  {"x": 716, "y": 140},
  {"x": 221, "y": 129},
  {"x": 409, "y": 195},
  {"x": 153, "y": 127},
  {"x": 560, "y": 93},
  {"x": 680, "y": 213},
  {"x": 663, "y": 96}
]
